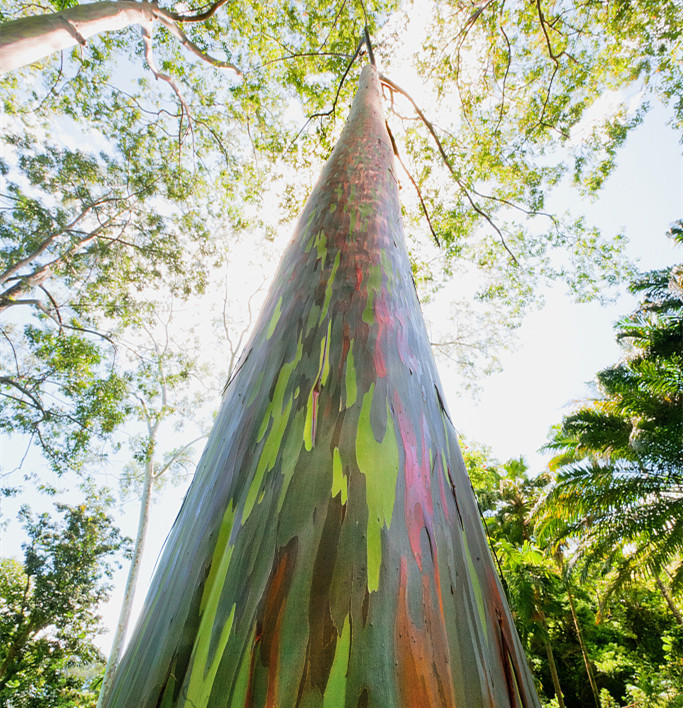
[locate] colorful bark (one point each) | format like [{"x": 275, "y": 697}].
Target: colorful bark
[{"x": 329, "y": 551}]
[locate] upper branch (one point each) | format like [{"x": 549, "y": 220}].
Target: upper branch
[{"x": 451, "y": 169}]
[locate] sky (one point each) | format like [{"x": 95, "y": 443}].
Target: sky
[
  {"x": 562, "y": 347},
  {"x": 559, "y": 349}
]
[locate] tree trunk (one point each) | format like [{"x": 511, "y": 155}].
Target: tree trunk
[
  {"x": 582, "y": 643},
  {"x": 29, "y": 39},
  {"x": 132, "y": 579},
  {"x": 669, "y": 600},
  {"x": 329, "y": 551},
  {"x": 553, "y": 670}
]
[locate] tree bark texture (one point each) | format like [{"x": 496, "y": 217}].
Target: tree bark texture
[
  {"x": 329, "y": 551},
  {"x": 29, "y": 39}
]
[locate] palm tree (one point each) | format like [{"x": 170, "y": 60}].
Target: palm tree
[{"x": 618, "y": 484}]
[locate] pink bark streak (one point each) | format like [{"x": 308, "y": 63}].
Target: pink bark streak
[
  {"x": 419, "y": 512},
  {"x": 383, "y": 318}
]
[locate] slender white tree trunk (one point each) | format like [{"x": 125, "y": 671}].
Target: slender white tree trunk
[
  {"x": 29, "y": 39},
  {"x": 131, "y": 582}
]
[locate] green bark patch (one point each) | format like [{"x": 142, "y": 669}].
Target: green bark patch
[
  {"x": 335, "y": 692},
  {"x": 339, "y": 482},
  {"x": 378, "y": 460}
]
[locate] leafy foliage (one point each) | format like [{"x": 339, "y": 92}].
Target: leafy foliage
[
  {"x": 630, "y": 638},
  {"x": 48, "y": 608},
  {"x": 121, "y": 188}
]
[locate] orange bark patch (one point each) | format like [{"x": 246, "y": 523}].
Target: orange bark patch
[
  {"x": 269, "y": 624},
  {"x": 423, "y": 672}
]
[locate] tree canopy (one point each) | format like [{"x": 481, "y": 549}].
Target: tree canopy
[{"x": 118, "y": 183}]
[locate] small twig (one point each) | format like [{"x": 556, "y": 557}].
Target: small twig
[
  {"x": 301, "y": 55},
  {"x": 528, "y": 212},
  {"x": 461, "y": 36},
  {"x": 505, "y": 77},
  {"x": 334, "y": 24},
  {"x": 56, "y": 81},
  {"x": 417, "y": 189},
  {"x": 199, "y": 17},
  {"x": 14, "y": 351},
  {"x": 54, "y": 304},
  {"x": 140, "y": 106},
  {"x": 159, "y": 75},
  {"x": 544, "y": 25},
  {"x": 556, "y": 60}
]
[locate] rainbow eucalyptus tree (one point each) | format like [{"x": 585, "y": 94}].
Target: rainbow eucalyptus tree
[{"x": 329, "y": 551}]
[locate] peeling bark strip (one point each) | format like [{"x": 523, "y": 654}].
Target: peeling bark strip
[{"x": 320, "y": 557}]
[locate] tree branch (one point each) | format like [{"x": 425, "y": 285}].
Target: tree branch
[
  {"x": 36, "y": 402},
  {"x": 161, "y": 76},
  {"x": 199, "y": 17},
  {"x": 173, "y": 28},
  {"x": 390, "y": 84},
  {"x": 417, "y": 189},
  {"x": 51, "y": 239},
  {"x": 336, "y": 98}
]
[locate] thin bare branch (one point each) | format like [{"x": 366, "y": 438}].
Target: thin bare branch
[
  {"x": 176, "y": 455},
  {"x": 505, "y": 77},
  {"x": 54, "y": 305},
  {"x": 199, "y": 17},
  {"x": 389, "y": 83},
  {"x": 14, "y": 351},
  {"x": 336, "y": 98},
  {"x": 303, "y": 55},
  {"x": 417, "y": 189},
  {"x": 333, "y": 24}
]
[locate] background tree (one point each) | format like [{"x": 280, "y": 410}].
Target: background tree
[
  {"x": 618, "y": 482},
  {"x": 158, "y": 398},
  {"x": 609, "y": 649},
  {"x": 89, "y": 232},
  {"x": 48, "y": 607}
]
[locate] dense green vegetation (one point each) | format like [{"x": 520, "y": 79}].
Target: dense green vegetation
[
  {"x": 590, "y": 549},
  {"x": 567, "y": 610},
  {"x": 48, "y": 607}
]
